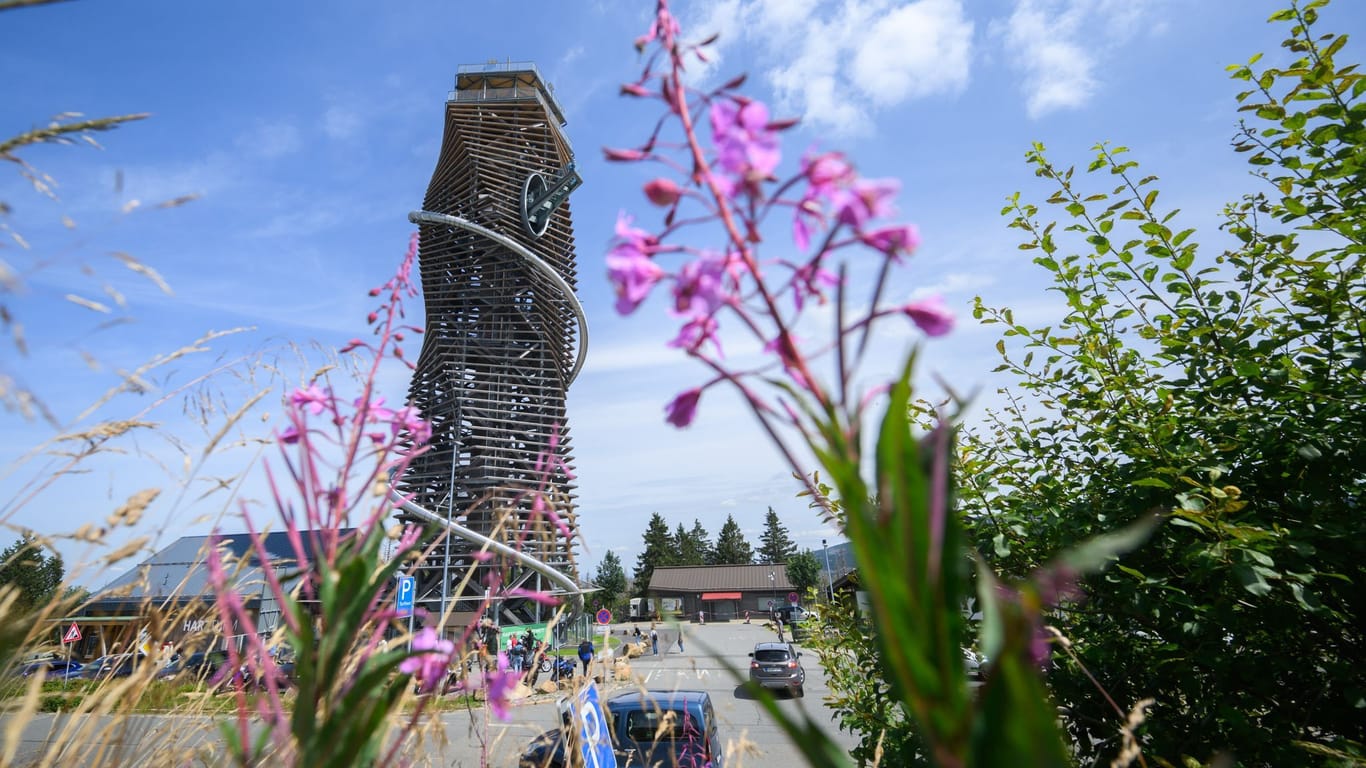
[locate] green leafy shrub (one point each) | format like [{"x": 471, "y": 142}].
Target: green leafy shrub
[{"x": 1225, "y": 388}]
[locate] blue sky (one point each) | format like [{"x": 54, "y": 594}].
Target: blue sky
[{"x": 308, "y": 134}]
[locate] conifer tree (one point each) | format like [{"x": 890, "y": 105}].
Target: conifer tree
[
  {"x": 731, "y": 547},
  {"x": 694, "y": 546},
  {"x": 660, "y": 549},
  {"x": 611, "y": 582},
  {"x": 775, "y": 545}
]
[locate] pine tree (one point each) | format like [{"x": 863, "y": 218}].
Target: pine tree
[
  {"x": 699, "y": 542},
  {"x": 611, "y": 582},
  {"x": 731, "y": 547},
  {"x": 694, "y": 547},
  {"x": 775, "y": 545},
  {"x": 660, "y": 549}
]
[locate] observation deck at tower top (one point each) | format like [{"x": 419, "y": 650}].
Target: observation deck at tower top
[{"x": 505, "y": 81}]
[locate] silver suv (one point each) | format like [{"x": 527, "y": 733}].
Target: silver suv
[{"x": 775, "y": 665}]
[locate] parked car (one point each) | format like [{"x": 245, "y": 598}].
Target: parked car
[
  {"x": 671, "y": 729},
  {"x": 113, "y": 665},
  {"x": 200, "y": 666},
  {"x": 776, "y": 665},
  {"x": 55, "y": 669}
]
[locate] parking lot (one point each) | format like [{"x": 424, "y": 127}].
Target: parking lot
[{"x": 752, "y": 739}]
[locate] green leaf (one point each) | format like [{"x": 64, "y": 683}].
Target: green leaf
[{"x": 1252, "y": 580}]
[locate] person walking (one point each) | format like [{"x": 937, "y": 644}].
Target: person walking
[
  {"x": 654, "y": 640},
  {"x": 680, "y": 639},
  {"x": 586, "y": 652}
]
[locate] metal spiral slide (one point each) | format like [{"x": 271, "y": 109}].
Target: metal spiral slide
[{"x": 535, "y": 262}]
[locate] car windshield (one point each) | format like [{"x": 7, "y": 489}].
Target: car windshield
[
  {"x": 771, "y": 655},
  {"x": 642, "y": 725}
]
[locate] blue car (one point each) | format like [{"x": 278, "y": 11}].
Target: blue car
[
  {"x": 56, "y": 669},
  {"x": 670, "y": 729}
]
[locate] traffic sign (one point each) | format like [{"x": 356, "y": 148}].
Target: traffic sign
[
  {"x": 604, "y": 616},
  {"x": 594, "y": 740},
  {"x": 403, "y": 596},
  {"x": 792, "y": 597},
  {"x": 73, "y": 634}
]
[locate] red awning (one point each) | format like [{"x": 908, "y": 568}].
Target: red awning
[{"x": 720, "y": 595}]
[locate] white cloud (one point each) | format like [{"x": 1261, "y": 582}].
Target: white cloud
[
  {"x": 915, "y": 51},
  {"x": 1059, "y": 44},
  {"x": 573, "y": 54},
  {"x": 341, "y": 123},
  {"x": 836, "y": 64},
  {"x": 271, "y": 140}
]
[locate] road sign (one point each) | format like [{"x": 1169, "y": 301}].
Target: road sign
[
  {"x": 594, "y": 740},
  {"x": 73, "y": 634},
  {"x": 403, "y": 596},
  {"x": 604, "y": 616},
  {"x": 792, "y": 597}
]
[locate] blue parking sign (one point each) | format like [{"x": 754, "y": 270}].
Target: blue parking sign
[
  {"x": 594, "y": 739},
  {"x": 403, "y": 596}
]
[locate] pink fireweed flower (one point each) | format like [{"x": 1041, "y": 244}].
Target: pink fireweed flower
[
  {"x": 499, "y": 686},
  {"x": 697, "y": 332},
  {"x": 930, "y": 315},
  {"x": 805, "y": 222},
  {"x": 664, "y": 28},
  {"x": 629, "y": 266},
  {"x": 810, "y": 281},
  {"x": 428, "y": 663},
  {"x": 700, "y": 288},
  {"x": 663, "y": 192},
  {"x": 681, "y": 411},
  {"x": 826, "y": 173},
  {"x": 745, "y": 145},
  {"x": 374, "y": 410},
  {"x": 314, "y": 398},
  {"x": 894, "y": 241},
  {"x": 409, "y": 419},
  {"x": 633, "y": 276},
  {"x": 290, "y": 436},
  {"x": 864, "y": 200}
]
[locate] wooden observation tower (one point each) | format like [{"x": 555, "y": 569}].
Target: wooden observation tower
[{"x": 505, "y": 337}]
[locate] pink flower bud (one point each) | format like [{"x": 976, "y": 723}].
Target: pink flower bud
[
  {"x": 372, "y": 317},
  {"x": 634, "y": 89},
  {"x": 622, "y": 155},
  {"x": 930, "y": 315},
  {"x": 663, "y": 192},
  {"x": 681, "y": 411},
  {"x": 374, "y": 291}
]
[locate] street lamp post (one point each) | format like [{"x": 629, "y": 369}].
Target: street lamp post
[{"x": 829, "y": 575}]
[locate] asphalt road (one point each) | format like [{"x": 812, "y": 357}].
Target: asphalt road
[{"x": 752, "y": 739}]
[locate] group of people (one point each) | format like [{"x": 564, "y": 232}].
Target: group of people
[{"x": 654, "y": 639}]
